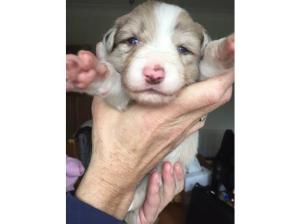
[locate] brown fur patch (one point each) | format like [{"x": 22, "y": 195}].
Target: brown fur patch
[
  {"x": 189, "y": 34},
  {"x": 137, "y": 23},
  {"x": 134, "y": 24}
]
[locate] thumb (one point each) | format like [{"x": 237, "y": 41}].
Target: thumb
[{"x": 202, "y": 94}]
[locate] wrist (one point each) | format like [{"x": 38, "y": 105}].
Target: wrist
[{"x": 98, "y": 190}]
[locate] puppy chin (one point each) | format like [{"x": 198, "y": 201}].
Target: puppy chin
[{"x": 149, "y": 98}]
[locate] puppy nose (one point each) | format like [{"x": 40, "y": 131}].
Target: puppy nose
[{"x": 154, "y": 74}]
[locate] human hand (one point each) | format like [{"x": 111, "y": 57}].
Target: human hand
[
  {"x": 127, "y": 145},
  {"x": 160, "y": 192}
]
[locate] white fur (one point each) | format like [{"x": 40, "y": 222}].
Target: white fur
[
  {"x": 150, "y": 55},
  {"x": 111, "y": 88},
  {"x": 160, "y": 50},
  {"x": 166, "y": 16}
]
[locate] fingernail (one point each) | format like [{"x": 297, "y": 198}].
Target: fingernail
[
  {"x": 167, "y": 166},
  {"x": 178, "y": 170},
  {"x": 154, "y": 170}
]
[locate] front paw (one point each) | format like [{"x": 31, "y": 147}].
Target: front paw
[
  {"x": 221, "y": 52},
  {"x": 218, "y": 56},
  {"x": 83, "y": 70},
  {"x": 225, "y": 52}
]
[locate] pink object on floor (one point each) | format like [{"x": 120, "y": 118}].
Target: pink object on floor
[{"x": 74, "y": 170}]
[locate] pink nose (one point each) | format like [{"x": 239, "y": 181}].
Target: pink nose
[{"x": 154, "y": 74}]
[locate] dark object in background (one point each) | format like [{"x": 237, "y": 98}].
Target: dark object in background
[
  {"x": 206, "y": 208},
  {"x": 223, "y": 168},
  {"x": 84, "y": 142},
  {"x": 215, "y": 204}
]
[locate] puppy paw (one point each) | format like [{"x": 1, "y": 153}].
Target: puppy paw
[
  {"x": 83, "y": 69},
  {"x": 218, "y": 56},
  {"x": 225, "y": 51}
]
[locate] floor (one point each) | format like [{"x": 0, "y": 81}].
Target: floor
[{"x": 174, "y": 213}]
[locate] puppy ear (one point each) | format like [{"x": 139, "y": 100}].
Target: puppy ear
[
  {"x": 205, "y": 40},
  {"x": 109, "y": 39},
  {"x": 107, "y": 44}
]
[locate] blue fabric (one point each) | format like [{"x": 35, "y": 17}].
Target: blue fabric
[{"x": 79, "y": 212}]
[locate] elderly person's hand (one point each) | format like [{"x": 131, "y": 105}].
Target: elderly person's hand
[
  {"x": 128, "y": 145},
  {"x": 160, "y": 192}
]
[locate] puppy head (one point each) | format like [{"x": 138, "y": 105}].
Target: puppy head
[{"x": 156, "y": 48}]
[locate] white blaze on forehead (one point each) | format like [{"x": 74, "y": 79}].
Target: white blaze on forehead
[
  {"x": 165, "y": 19},
  {"x": 159, "y": 50}
]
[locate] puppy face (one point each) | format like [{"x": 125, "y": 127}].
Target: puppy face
[{"x": 156, "y": 48}]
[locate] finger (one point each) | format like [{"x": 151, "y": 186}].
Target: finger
[
  {"x": 194, "y": 117},
  {"x": 198, "y": 124},
  {"x": 152, "y": 198},
  {"x": 149, "y": 210},
  {"x": 179, "y": 177},
  {"x": 191, "y": 120},
  {"x": 196, "y": 127},
  {"x": 198, "y": 114},
  {"x": 203, "y": 94},
  {"x": 169, "y": 185},
  {"x": 206, "y": 110}
]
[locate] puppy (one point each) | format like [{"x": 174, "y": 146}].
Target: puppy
[{"x": 152, "y": 53}]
